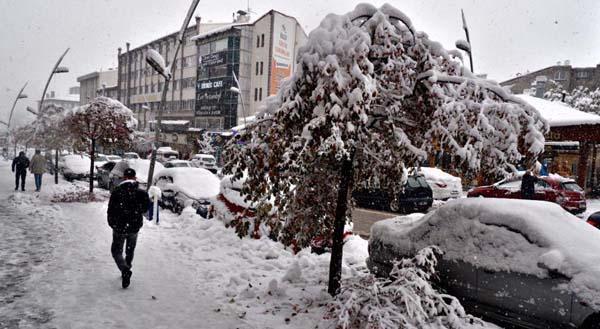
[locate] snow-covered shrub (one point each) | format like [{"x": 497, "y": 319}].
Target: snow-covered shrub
[{"x": 404, "y": 300}]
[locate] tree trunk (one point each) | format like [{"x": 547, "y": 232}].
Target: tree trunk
[
  {"x": 335, "y": 263},
  {"x": 92, "y": 156},
  {"x": 56, "y": 166}
]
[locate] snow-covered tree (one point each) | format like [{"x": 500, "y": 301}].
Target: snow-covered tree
[
  {"x": 205, "y": 144},
  {"x": 370, "y": 97},
  {"x": 104, "y": 121},
  {"x": 580, "y": 98}
]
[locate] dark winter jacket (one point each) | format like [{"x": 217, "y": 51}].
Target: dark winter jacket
[
  {"x": 528, "y": 186},
  {"x": 21, "y": 163},
  {"x": 125, "y": 208}
]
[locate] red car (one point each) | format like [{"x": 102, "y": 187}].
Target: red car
[{"x": 551, "y": 188}]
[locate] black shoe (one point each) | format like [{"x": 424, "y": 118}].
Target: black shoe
[
  {"x": 16, "y": 188},
  {"x": 126, "y": 276},
  {"x": 23, "y": 189}
]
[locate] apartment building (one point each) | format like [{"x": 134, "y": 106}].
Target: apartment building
[
  {"x": 258, "y": 54},
  {"x": 97, "y": 83},
  {"x": 139, "y": 87}
]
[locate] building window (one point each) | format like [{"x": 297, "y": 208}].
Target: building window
[
  {"x": 560, "y": 75},
  {"x": 255, "y": 94},
  {"x": 582, "y": 75},
  {"x": 257, "y": 41},
  {"x": 256, "y": 68},
  {"x": 260, "y": 94},
  {"x": 145, "y": 89},
  {"x": 159, "y": 86},
  {"x": 152, "y": 88},
  {"x": 262, "y": 40},
  {"x": 261, "y": 68}
]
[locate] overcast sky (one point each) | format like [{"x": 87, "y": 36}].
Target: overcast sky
[{"x": 507, "y": 36}]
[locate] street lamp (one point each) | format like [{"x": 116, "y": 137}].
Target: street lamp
[
  {"x": 19, "y": 96},
  {"x": 237, "y": 91},
  {"x": 55, "y": 69},
  {"x": 465, "y": 45},
  {"x": 154, "y": 61}
]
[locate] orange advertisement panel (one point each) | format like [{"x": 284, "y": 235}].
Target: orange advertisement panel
[{"x": 284, "y": 38}]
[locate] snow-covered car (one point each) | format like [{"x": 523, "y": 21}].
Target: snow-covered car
[
  {"x": 205, "y": 161},
  {"x": 552, "y": 188},
  {"x": 141, "y": 167},
  {"x": 103, "y": 174},
  {"x": 182, "y": 187},
  {"x": 519, "y": 262},
  {"x": 74, "y": 166},
  {"x": 178, "y": 164},
  {"x": 100, "y": 160},
  {"x": 130, "y": 155},
  {"x": 114, "y": 158},
  {"x": 166, "y": 153},
  {"x": 443, "y": 185}
]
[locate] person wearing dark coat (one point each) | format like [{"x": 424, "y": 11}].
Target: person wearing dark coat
[
  {"x": 19, "y": 167},
  {"x": 125, "y": 208},
  {"x": 528, "y": 185}
]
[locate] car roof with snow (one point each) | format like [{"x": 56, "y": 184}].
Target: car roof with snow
[
  {"x": 505, "y": 235},
  {"x": 197, "y": 183}
]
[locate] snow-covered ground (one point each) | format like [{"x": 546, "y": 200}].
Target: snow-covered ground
[{"x": 56, "y": 270}]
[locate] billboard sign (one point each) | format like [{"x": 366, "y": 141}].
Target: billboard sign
[
  {"x": 284, "y": 39},
  {"x": 213, "y": 59}
]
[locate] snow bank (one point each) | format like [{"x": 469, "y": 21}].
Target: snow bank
[{"x": 506, "y": 235}]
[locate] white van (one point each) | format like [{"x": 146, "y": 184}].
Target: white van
[{"x": 164, "y": 154}]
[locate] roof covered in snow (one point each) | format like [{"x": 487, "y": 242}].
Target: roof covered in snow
[{"x": 559, "y": 114}]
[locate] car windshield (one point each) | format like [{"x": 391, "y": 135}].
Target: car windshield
[
  {"x": 571, "y": 186},
  {"x": 101, "y": 158},
  {"x": 113, "y": 157}
]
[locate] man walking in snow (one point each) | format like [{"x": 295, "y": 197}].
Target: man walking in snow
[
  {"x": 125, "y": 208},
  {"x": 20, "y": 164},
  {"x": 38, "y": 168}
]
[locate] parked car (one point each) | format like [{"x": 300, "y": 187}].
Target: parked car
[
  {"x": 100, "y": 159},
  {"x": 594, "y": 219},
  {"x": 443, "y": 185},
  {"x": 552, "y": 188},
  {"x": 205, "y": 161},
  {"x": 416, "y": 194},
  {"x": 166, "y": 153},
  {"x": 114, "y": 158},
  {"x": 130, "y": 155},
  {"x": 178, "y": 164},
  {"x": 514, "y": 262},
  {"x": 182, "y": 187},
  {"x": 141, "y": 167},
  {"x": 103, "y": 174},
  {"x": 74, "y": 166}
]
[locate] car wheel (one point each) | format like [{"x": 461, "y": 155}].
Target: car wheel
[
  {"x": 395, "y": 206},
  {"x": 592, "y": 322}
]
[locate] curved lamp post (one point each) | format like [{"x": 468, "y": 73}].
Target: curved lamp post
[
  {"x": 167, "y": 76},
  {"x": 237, "y": 91},
  {"x": 19, "y": 96},
  {"x": 55, "y": 69}
]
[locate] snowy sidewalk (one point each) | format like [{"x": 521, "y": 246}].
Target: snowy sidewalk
[{"x": 187, "y": 272}]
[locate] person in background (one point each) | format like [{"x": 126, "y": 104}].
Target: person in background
[
  {"x": 528, "y": 185},
  {"x": 38, "y": 168},
  {"x": 126, "y": 206},
  {"x": 19, "y": 167}
]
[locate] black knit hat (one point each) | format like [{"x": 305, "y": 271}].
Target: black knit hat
[{"x": 129, "y": 173}]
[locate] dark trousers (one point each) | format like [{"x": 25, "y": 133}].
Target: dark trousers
[
  {"x": 38, "y": 181},
  {"x": 20, "y": 174},
  {"x": 117, "y": 249}
]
